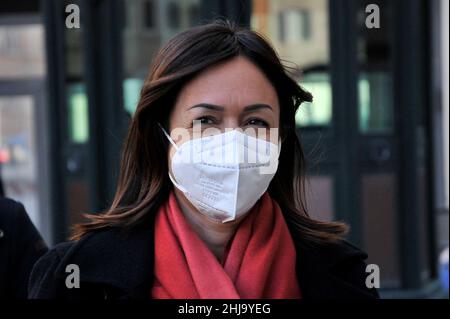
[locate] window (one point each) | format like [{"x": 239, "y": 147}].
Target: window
[
  {"x": 294, "y": 26},
  {"x": 318, "y": 112},
  {"x": 22, "y": 51},
  {"x": 78, "y": 113},
  {"x": 305, "y": 19}
]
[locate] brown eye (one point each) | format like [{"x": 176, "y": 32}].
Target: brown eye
[
  {"x": 206, "y": 120},
  {"x": 258, "y": 122}
]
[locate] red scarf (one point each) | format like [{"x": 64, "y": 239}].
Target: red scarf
[{"x": 259, "y": 262}]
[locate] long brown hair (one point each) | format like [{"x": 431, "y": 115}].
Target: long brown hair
[{"x": 143, "y": 183}]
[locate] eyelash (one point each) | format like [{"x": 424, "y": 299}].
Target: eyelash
[
  {"x": 205, "y": 118},
  {"x": 262, "y": 122},
  {"x": 213, "y": 120}
]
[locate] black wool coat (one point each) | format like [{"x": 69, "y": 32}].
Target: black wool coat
[
  {"x": 118, "y": 265},
  {"x": 21, "y": 246}
]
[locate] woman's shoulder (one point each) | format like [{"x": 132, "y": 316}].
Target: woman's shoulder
[
  {"x": 337, "y": 270},
  {"x": 330, "y": 254},
  {"x": 102, "y": 257},
  {"x": 343, "y": 251},
  {"x": 43, "y": 282}
]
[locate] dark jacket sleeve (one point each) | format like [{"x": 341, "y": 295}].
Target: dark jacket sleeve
[
  {"x": 22, "y": 247},
  {"x": 43, "y": 283}
]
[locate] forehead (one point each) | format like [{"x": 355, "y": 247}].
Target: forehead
[{"x": 236, "y": 82}]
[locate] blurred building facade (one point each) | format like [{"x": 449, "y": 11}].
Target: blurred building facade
[{"x": 376, "y": 133}]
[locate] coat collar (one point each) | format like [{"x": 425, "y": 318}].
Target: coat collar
[{"x": 125, "y": 261}]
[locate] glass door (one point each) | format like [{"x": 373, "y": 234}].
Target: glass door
[
  {"x": 23, "y": 166},
  {"x": 24, "y": 158}
]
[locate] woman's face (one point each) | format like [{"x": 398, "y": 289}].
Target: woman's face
[
  {"x": 233, "y": 94},
  {"x": 230, "y": 95}
]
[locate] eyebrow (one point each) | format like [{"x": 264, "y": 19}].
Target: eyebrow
[{"x": 248, "y": 108}]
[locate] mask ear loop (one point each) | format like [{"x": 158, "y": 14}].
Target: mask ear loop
[
  {"x": 279, "y": 147},
  {"x": 168, "y": 137},
  {"x": 181, "y": 188}
]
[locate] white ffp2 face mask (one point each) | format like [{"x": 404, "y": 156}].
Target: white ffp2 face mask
[{"x": 224, "y": 175}]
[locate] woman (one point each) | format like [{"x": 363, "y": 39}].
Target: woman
[{"x": 197, "y": 229}]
